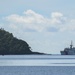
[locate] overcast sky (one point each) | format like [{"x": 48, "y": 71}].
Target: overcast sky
[{"x": 46, "y": 25}]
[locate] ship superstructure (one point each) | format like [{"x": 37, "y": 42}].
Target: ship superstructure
[{"x": 69, "y": 51}]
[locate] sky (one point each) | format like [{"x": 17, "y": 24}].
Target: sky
[{"x": 48, "y": 26}]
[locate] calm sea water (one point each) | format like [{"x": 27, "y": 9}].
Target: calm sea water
[
  {"x": 37, "y": 70},
  {"x": 37, "y": 65}
]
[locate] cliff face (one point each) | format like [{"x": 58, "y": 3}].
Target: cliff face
[{"x": 11, "y": 45}]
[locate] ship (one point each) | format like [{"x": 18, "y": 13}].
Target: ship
[{"x": 69, "y": 51}]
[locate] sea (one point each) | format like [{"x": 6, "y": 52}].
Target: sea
[{"x": 37, "y": 65}]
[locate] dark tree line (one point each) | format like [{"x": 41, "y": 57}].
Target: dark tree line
[{"x": 11, "y": 45}]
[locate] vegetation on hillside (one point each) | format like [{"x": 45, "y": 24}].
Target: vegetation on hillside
[{"x": 11, "y": 45}]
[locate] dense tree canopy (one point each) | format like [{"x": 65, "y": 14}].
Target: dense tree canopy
[{"x": 11, "y": 45}]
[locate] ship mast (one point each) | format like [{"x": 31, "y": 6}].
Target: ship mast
[{"x": 71, "y": 45}]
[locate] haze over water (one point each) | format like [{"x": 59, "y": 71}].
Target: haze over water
[{"x": 37, "y": 60}]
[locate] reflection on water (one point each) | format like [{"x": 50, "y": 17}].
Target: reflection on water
[{"x": 37, "y": 60}]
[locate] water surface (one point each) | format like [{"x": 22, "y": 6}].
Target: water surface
[
  {"x": 37, "y": 70},
  {"x": 37, "y": 65},
  {"x": 37, "y": 60}
]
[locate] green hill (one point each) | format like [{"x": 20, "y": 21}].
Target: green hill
[{"x": 10, "y": 45}]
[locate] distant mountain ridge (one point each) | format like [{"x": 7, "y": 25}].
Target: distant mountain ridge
[{"x": 10, "y": 45}]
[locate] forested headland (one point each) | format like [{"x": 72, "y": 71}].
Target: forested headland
[{"x": 10, "y": 45}]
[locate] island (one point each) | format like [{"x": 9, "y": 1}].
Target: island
[{"x": 10, "y": 45}]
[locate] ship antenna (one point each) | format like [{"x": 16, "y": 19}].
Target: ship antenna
[{"x": 71, "y": 45}]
